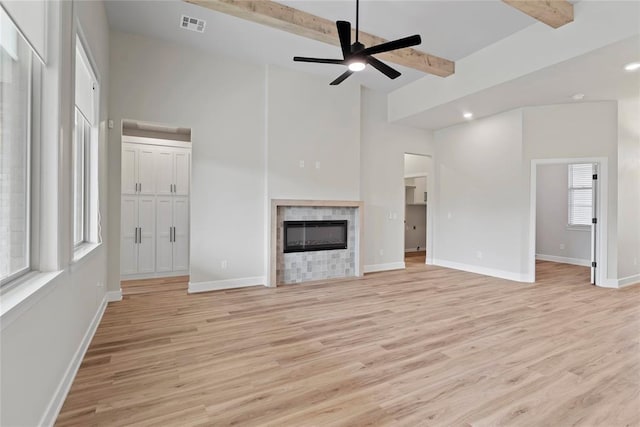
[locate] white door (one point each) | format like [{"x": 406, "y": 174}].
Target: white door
[
  {"x": 164, "y": 245},
  {"x": 147, "y": 234},
  {"x": 165, "y": 173},
  {"x": 146, "y": 170},
  {"x": 180, "y": 234},
  {"x": 421, "y": 188},
  {"x": 129, "y": 235},
  {"x": 129, "y": 167},
  {"x": 182, "y": 172}
]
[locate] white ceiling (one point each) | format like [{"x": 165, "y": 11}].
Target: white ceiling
[
  {"x": 599, "y": 75},
  {"x": 451, "y": 29}
]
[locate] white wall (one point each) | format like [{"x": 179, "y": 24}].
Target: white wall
[
  {"x": 312, "y": 122},
  {"x": 629, "y": 190},
  {"x": 222, "y": 101},
  {"x": 576, "y": 130},
  {"x": 382, "y": 152},
  {"x": 553, "y": 237},
  {"x": 478, "y": 198},
  {"x": 483, "y": 168},
  {"x": 251, "y": 127},
  {"x": 43, "y": 338},
  {"x": 415, "y": 165}
]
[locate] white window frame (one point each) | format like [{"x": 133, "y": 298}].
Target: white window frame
[
  {"x": 12, "y": 278},
  {"x": 572, "y": 188},
  {"x": 90, "y": 217}
]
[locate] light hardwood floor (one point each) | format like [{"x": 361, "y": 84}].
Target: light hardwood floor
[{"x": 425, "y": 346}]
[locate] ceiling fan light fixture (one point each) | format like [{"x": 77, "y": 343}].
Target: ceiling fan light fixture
[{"x": 357, "y": 66}]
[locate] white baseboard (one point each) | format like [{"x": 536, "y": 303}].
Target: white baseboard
[
  {"x": 113, "y": 296},
  {"x": 486, "y": 271},
  {"x": 414, "y": 249},
  {"x": 629, "y": 280},
  {"x": 216, "y": 285},
  {"x": 373, "y": 268},
  {"x": 154, "y": 275},
  {"x": 55, "y": 405},
  {"x": 564, "y": 260}
]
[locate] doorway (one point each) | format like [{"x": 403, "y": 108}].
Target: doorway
[
  {"x": 568, "y": 216},
  {"x": 155, "y": 206},
  {"x": 416, "y": 184}
]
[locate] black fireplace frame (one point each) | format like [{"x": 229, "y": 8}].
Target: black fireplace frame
[{"x": 317, "y": 223}]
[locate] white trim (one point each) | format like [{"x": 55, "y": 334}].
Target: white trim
[
  {"x": 53, "y": 409},
  {"x": 417, "y": 174},
  {"x": 156, "y": 141},
  {"x": 564, "y": 260},
  {"x": 154, "y": 275},
  {"x": 20, "y": 295},
  {"x": 215, "y": 285},
  {"x": 485, "y": 271},
  {"x": 609, "y": 283},
  {"x": 602, "y": 204},
  {"x": 114, "y": 296},
  {"x": 629, "y": 280},
  {"x": 373, "y": 268},
  {"x": 414, "y": 250}
]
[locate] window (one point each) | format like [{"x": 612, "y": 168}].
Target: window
[
  {"x": 580, "y": 194},
  {"x": 15, "y": 139},
  {"x": 84, "y": 152},
  {"x": 81, "y": 179}
]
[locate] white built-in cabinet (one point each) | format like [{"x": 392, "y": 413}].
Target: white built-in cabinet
[
  {"x": 416, "y": 190},
  {"x": 155, "y": 210}
]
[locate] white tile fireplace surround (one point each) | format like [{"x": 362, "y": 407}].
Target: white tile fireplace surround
[{"x": 296, "y": 267}]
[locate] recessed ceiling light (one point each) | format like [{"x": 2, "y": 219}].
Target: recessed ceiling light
[
  {"x": 468, "y": 116},
  {"x": 578, "y": 96},
  {"x": 633, "y": 66},
  {"x": 356, "y": 66}
]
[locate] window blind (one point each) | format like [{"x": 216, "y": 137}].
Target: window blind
[{"x": 580, "y": 194}]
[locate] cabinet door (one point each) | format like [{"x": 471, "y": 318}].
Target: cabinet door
[
  {"x": 147, "y": 243},
  {"x": 182, "y": 172},
  {"x": 146, "y": 169},
  {"x": 129, "y": 167},
  {"x": 181, "y": 224},
  {"x": 421, "y": 188},
  {"x": 128, "y": 245},
  {"x": 165, "y": 171},
  {"x": 164, "y": 222}
]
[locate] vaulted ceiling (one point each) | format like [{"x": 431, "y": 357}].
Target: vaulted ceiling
[
  {"x": 504, "y": 58},
  {"x": 449, "y": 29}
]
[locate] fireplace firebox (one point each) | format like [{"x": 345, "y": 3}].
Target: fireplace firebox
[{"x": 305, "y": 236}]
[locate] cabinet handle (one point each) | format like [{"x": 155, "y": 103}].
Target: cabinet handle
[
  {"x": 135, "y": 235},
  {"x": 140, "y": 234},
  {"x": 174, "y": 234},
  {"x": 171, "y": 234},
  {"x": 140, "y": 190}
]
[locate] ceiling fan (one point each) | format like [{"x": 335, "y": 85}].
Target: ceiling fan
[{"x": 356, "y": 56}]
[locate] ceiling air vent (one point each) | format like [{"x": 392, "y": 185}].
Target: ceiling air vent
[{"x": 193, "y": 24}]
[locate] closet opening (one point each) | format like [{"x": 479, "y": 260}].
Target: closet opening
[{"x": 155, "y": 207}]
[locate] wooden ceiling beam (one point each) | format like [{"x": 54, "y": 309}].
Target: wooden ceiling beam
[
  {"x": 554, "y": 13},
  {"x": 298, "y": 22}
]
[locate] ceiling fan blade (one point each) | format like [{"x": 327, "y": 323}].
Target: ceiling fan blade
[
  {"x": 383, "y": 68},
  {"x": 342, "y": 77},
  {"x": 318, "y": 60},
  {"x": 393, "y": 45},
  {"x": 344, "y": 32}
]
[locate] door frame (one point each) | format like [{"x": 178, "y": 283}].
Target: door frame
[
  {"x": 429, "y": 218},
  {"x": 602, "y": 210}
]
